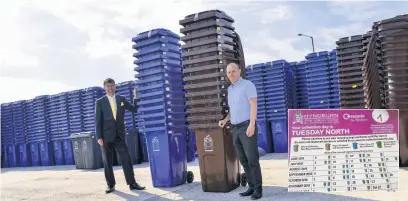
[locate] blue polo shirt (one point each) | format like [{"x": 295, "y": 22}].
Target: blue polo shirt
[{"x": 238, "y": 100}]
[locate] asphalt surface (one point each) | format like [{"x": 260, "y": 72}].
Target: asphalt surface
[{"x": 67, "y": 183}]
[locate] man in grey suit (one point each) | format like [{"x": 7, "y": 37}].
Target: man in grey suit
[{"x": 110, "y": 133}]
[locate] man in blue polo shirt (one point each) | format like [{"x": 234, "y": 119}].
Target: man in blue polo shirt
[{"x": 242, "y": 101}]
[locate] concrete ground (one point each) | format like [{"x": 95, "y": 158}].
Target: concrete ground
[{"x": 67, "y": 183}]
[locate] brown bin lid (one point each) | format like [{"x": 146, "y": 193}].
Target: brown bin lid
[
  {"x": 207, "y": 32},
  {"x": 351, "y": 91},
  {"x": 216, "y": 84},
  {"x": 207, "y": 49},
  {"x": 207, "y": 94},
  {"x": 393, "y": 93},
  {"x": 356, "y": 85},
  {"x": 204, "y": 78},
  {"x": 221, "y": 47},
  {"x": 208, "y": 14},
  {"x": 205, "y": 119},
  {"x": 222, "y": 40},
  {"x": 214, "y": 59},
  {"x": 207, "y": 102},
  {"x": 203, "y": 24},
  {"x": 398, "y": 99},
  {"x": 208, "y": 111},
  {"x": 397, "y": 105},
  {"x": 344, "y": 69},
  {"x": 204, "y": 68}
]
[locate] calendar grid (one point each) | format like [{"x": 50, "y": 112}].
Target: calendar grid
[{"x": 365, "y": 171}]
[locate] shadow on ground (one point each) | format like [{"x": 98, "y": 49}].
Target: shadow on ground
[
  {"x": 193, "y": 192},
  {"x": 73, "y": 167}
]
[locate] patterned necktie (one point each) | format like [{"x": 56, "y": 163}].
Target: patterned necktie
[{"x": 113, "y": 107}]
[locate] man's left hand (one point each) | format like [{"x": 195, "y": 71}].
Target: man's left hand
[{"x": 250, "y": 130}]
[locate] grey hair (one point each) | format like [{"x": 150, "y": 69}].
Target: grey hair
[{"x": 233, "y": 65}]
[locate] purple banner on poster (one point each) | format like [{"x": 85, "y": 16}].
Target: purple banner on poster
[{"x": 341, "y": 122}]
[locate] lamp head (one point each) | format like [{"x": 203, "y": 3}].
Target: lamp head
[{"x": 300, "y": 34}]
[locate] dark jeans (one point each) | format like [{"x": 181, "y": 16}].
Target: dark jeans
[
  {"x": 122, "y": 150},
  {"x": 247, "y": 150}
]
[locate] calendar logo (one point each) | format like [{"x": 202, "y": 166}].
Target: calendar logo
[{"x": 298, "y": 118}]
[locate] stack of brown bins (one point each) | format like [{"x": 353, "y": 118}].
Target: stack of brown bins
[
  {"x": 373, "y": 74},
  {"x": 210, "y": 44},
  {"x": 350, "y": 56},
  {"x": 386, "y": 73},
  {"x": 393, "y": 35}
]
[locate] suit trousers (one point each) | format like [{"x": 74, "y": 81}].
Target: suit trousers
[
  {"x": 247, "y": 151},
  {"x": 122, "y": 150}
]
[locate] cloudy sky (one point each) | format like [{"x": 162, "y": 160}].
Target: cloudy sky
[{"x": 47, "y": 47}]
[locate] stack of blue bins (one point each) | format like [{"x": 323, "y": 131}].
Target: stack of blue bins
[
  {"x": 322, "y": 94},
  {"x": 59, "y": 129},
  {"x": 301, "y": 85},
  {"x": 88, "y": 101},
  {"x": 256, "y": 74},
  {"x": 334, "y": 79},
  {"x": 162, "y": 105},
  {"x": 42, "y": 153},
  {"x": 75, "y": 111},
  {"x": 20, "y": 134},
  {"x": 125, "y": 89},
  {"x": 280, "y": 96},
  {"x": 7, "y": 136}
]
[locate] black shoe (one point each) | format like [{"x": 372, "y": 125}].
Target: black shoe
[
  {"x": 256, "y": 195},
  {"x": 136, "y": 186},
  {"x": 247, "y": 193},
  {"x": 110, "y": 189}
]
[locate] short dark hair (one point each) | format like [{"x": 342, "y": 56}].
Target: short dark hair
[{"x": 108, "y": 80}]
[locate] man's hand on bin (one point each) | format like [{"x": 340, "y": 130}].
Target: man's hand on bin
[
  {"x": 222, "y": 123},
  {"x": 250, "y": 130},
  {"x": 100, "y": 142}
]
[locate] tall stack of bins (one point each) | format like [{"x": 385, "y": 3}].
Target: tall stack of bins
[
  {"x": 88, "y": 100},
  {"x": 125, "y": 89},
  {"x": 75, "y": 111},
  {"x": 301, "y": 85},
  {"x": 162, "y": 105},
  {"x": 7, "y": 136},
  {"x": 37, "y": 118},
  {"x": 210, "y": 44},
  {"x": 393, "y": 39},
  {"x": 322, "y": 94},
  {"x": 293, "y": 70},
  {"x": 280, "y": 96},
  {"x": 19, "y": 127},
  {"x": 334, "y": 80},
  {"x": 256, "y": 74},
  {"x": 59, "y": 128},
  {"x": 350, "y": 57}
]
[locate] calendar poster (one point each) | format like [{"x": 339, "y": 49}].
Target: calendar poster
[{"x": 337, "y": 150}]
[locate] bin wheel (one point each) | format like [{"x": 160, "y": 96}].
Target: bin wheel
[
  {"x": 243, "y": 179},
  {"x": 190, "y": 177}
]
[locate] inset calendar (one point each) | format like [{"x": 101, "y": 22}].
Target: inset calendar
[{"x": 333, "y": 150}]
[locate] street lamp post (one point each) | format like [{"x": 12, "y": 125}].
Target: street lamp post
[{"x": 310, "y": 38}]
